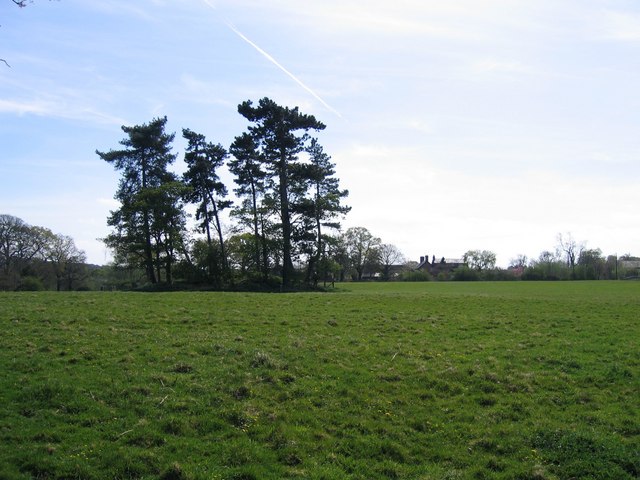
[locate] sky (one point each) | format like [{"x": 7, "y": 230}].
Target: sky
[{"x": 459, "y": 125}]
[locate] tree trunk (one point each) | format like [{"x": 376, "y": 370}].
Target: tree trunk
[
  {"x": 287, "y": 263},
  {"x": 256, "y": 231},
  {"x": 218, "y": 226}
]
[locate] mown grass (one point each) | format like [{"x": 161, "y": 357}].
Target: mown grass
[{"x": 425, "y": 381}]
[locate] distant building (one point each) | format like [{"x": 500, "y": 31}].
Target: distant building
[
  {"x": 629, "y": 268},
  {"x": 437, "y": 266}
]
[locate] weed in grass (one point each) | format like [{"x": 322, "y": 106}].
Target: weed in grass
[
  {"x": 182, "y": 368},
  {"x": 174, "y": 472},
  {"x": 262, "y": 359}
]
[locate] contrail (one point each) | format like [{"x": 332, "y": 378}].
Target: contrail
[{"x": 274, "y": 61}]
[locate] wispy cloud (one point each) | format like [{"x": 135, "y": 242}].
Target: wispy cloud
[
  {"x": 57, "y": 109},
  {"x": 271, "y": 59}
]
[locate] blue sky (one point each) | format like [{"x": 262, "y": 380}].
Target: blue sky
[{"x": 455, "y": 125}]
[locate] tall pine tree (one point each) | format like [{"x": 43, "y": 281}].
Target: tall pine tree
[
  {"x": 323, "y": 205},
  {"x": 149, "y": 209},
  {"x": 280, "y": 133},
  {"x": 207, "y": 191}
]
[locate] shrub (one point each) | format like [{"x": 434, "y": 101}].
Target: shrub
[
  {"x": 466, "y": 274},
  {"x": 415, "y": 276},
  {"x": 30, "y": 284}
]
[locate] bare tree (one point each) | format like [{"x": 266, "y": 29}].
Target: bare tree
[
  {"x": 388, "y": 256},
  {"x": 520, "y": 261},
  {"x": 571, "y": 250}
]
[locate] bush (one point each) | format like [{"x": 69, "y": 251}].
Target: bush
[
  {"x": 466, "y": 274},
  {"x": 444, "y": 276},
  {"x": 533, "y": 273},
  {"x": 30, "y": 284},
  {"x": 415, "y": 276},
  {"x": 499, "y": 275}
]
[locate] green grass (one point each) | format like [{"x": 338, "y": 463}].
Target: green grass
[{"x": 416, "y": 381}]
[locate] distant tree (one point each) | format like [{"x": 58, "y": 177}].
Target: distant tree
[
  {"x": 275, "y": 131},
  {"x": 203, "y": 160},
  {"x": 250, "y": 179},
  {"x": 66, "y": 259},
  {"x": 520, "y": 261},
  {"x": 389, "y": 255},
  {"x": 480, "y": 260},
  {"x": 168, "y": 227},
  {"x": 361, "y": 248},
  {"x": 591, "y": 264},
  {"x": 571, "y": 250},
  {"x": 20, "y": 245},
  {"x": 338, "y": 254},
  {"x": 149, "y": 215},
  {"x": 16, "y": 242},
  {"x": 241, "y": 248},
  {"x": 324, "y": 205},
  {"x": 611, "y": 267}
]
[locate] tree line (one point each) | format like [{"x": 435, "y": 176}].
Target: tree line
[
  {"x": 570, "y": 259},
  {"x": 35, "y": 258}
]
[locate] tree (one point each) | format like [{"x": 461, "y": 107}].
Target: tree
[
  {"x": 66, "y": 260},
  {"x": 362, "y": 249},
  {"x": 389, "y": 255},
  {"x": 520, "y": 261},
  {"x": 323, "y": 205},
  {"x": 250, "y": 179},
  {"x": 548, "y": 266},
  {"x": 275, "y": 132},
  {"x": 147, "y": 194},
  {"x": 20, "y": 244},
  {"x": 168, "y": 224},
  {"x": 16, "y": 242},
  {"x": 203, "y": 159},
  {"x": 571, "y": 250},
  {"x": 591, "y": 264},
  {"x": 480, "y": 260}
]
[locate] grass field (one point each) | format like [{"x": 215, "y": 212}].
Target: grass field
[{"x": 416, "y": 381}]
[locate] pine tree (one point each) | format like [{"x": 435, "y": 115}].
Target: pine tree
[
  {"x": 148, "y": 220},
  {"x": 203, "y": 160},
  {"x": 275, "y": 132}
]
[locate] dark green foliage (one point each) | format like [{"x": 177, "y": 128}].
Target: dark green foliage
[
  {"x": 30, "y": 284},
  {"x": 207, "y": 191},
  {"x": 466, "y": 274},
  {"x": 415, "y": 276},
  {"x": 279, "y": 134},
  {"x": 150, "y": 222}
]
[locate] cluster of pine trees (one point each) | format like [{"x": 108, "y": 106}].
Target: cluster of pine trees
[{"x": 289, "y": 197}]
